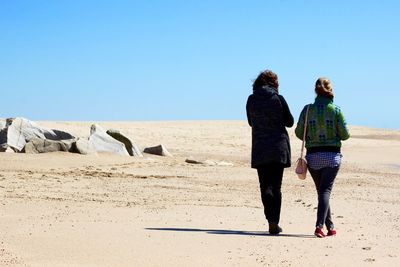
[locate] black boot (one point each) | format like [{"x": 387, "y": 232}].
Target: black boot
[{"x": 274, "y": 228}]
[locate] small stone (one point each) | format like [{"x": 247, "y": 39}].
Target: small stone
[
  {"x": 193, "y": 161},
  {"x": 159, "y": 150},
  {"x": 217, "y": 163}
]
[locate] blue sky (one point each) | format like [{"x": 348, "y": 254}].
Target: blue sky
[{"x": 121, "y": 60}]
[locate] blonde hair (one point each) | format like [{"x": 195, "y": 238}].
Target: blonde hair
[{"x": 323, "y": 87}]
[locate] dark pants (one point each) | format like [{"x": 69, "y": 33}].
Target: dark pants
[
  {"x": 324, "y": 179},
  {"x": 270, "y": 177}
]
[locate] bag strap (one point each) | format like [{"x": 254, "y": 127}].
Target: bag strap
[{"x": 305, "y": 131}]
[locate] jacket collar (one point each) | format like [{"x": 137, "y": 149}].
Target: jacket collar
[
  {"x": 323, "y": 100},
  {"x": 265, "y": 91}
]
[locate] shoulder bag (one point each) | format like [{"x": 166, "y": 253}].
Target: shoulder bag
[{"x": 301, "y": 168}]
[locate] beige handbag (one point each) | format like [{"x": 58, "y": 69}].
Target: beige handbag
[{"x": 301, "y": 168}]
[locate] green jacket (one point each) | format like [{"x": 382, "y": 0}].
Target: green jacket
[{"x": 326, "y": 124}]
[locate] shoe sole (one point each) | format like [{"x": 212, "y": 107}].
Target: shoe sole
[
  {"x": 275, "y": 230},
  {"x": 319, "y": 235}
]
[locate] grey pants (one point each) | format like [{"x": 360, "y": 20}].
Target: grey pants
[{"x": 323, "y": 180}]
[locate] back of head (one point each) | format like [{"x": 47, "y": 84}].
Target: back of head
[
  {"x": 268, "y": 78},
  {"x": 323, "y": 87}
]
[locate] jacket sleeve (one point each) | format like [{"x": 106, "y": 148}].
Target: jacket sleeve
[
  {"x": 300, "y": 125},
  {"x": 342, "y": 129},
  {"x": 248, "y": 111},
  {"x": 287, "y": 116}
]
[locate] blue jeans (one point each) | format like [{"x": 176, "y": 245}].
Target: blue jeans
[{"x": 323, "y": 180}]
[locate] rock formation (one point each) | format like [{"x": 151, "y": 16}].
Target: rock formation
[
  {"x": 102, "y": 142},
  {"x": 22, "y": 135},
  {"x": 20, "y": 131},
  {"x": 132, "y": 148}
]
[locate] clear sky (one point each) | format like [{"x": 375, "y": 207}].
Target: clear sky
[{"x": 185, "y": 60}]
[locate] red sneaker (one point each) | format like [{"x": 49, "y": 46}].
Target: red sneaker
[
  {"x": 331, "y": 232},
  {"x": 318, "y": 232}
]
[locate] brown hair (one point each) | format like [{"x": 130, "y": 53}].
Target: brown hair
[
  {"x": 323, "y": 87},
  {"x": 266, "y": 77}
]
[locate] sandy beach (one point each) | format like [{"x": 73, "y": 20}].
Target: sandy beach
[{"x": 65, "y": 209}]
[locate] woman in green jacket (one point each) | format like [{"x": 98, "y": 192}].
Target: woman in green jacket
[{"x": 326, "y": 128}]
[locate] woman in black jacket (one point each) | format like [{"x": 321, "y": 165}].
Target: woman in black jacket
[{"x": 268, "y": 114}]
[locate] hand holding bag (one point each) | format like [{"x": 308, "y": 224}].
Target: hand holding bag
[{"x": 301, "y": 168}]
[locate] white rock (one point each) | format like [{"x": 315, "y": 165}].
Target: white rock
[
  {"x": 83, "y": 146},
  {"x": 2, "y": 123},
  {"x": 130, "y": 146},
  {"x": 102, "y": 142},
  {"x": 3, "y": 139},
  {"x": 22, "y": 130},
  {"x": 9, "y": 150}
]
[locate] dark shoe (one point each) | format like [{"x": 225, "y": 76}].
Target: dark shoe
[
  {"x": 274, "y": 229},
  {"x": 331, "y": 232},
  {"x": 318, "y": 232}
]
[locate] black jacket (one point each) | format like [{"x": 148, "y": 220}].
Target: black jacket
[{"x": 268, "y": 114}]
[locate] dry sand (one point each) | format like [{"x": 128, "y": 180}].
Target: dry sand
[{"x": 62, "y": 209}]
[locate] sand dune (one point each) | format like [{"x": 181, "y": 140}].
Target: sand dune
[{"x": 64, "y": 209}]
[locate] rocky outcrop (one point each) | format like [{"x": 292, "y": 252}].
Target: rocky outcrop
[
  {"x": 22, "y": 135},
  {"x": 20, "y": 131},
  {"x": 131, "y": 147},
  {"x": 102, "y": 142},
  {"x": 37, "y": 145},
  {"x": 159, "y": 150}
]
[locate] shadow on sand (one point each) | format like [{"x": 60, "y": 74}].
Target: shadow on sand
[{"x": 230, "y": 232}]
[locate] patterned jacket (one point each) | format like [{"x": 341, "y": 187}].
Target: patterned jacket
[
  {"x": 268, "y": 114},
  {"x": 326, "y": 124}
]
